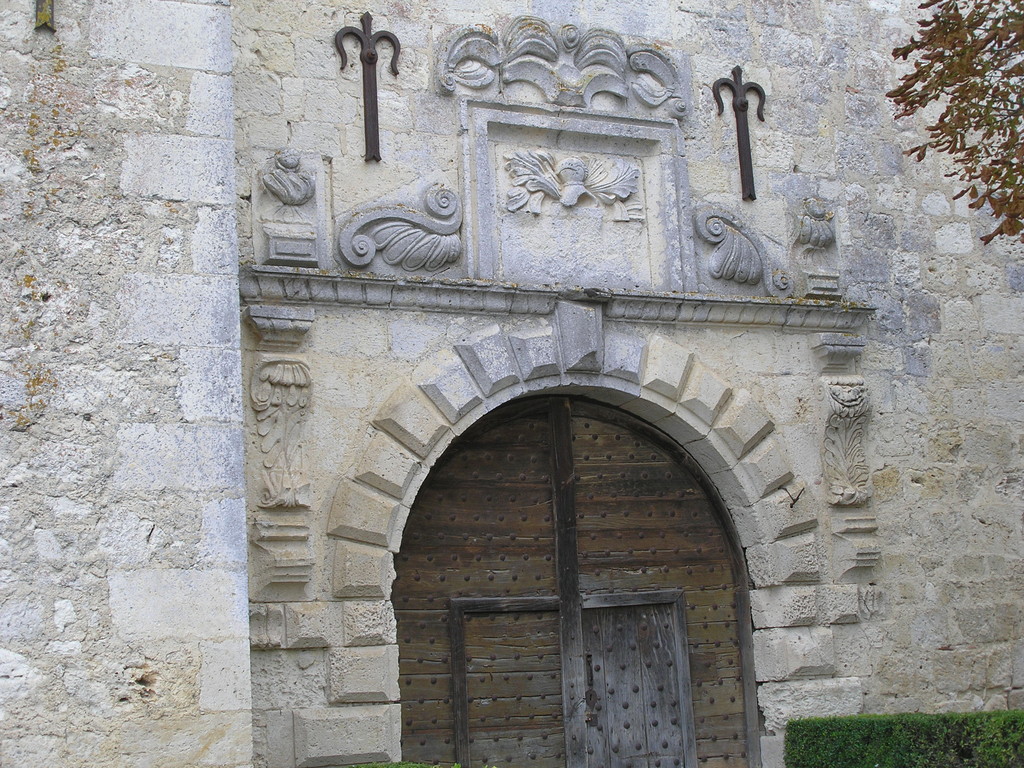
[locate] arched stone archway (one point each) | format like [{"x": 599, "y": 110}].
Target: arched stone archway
[{"x": 723, "y": 428}]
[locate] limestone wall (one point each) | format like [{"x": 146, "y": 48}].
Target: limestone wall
[
  {"x": 908, "y": 600},
  {"x": 122, "y": 597}
]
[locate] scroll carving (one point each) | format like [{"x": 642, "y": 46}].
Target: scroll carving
[
  {"x": 537, "y": 176},
  {"x": 569, "y": 66},
  {"x": 738, "y": 256},
  {"x": 280, "y": 396},
  {"x": 846, "y": 469},
  {"x": 404, "y": 237}
]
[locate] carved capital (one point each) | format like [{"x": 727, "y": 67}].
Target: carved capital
[
  {"x": 280, "y": 327},
  {"x": 838, "y": 353},
  {"x": 412, "y": 240},
  {"x": 846, "y": 469},
  {"x": 280, "y": 398}
]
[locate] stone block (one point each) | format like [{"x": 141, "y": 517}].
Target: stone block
[
  {"x": 623, "y": 356},
  {"x": 316, "y": 624},
  {"x": 280, "y": 739},
  {"x": 186, "y": 741},
  {"x": 180, "y": 310},
  {"x": 346, "y": 736},
  {"x": 580, "y": 336},
  {"x": 189, "y": 168},
  {"x": 224, "y": 676},
  {"x": 765, "y": 469},
  {"x": 704, "y": 394},
  {"x": 367, "y": 673},
  {"x": 362, "y": 571},
  {"x": 773, "y": 752},
  {"x": 410, "y": 418},
  {"x": 224, "y": 533},
  {"x": 789, "y": 561},
  {"x": 361, "y": 514},
  {"x": 779, "y": 515},
  {"x": 785, "y": 701},
  {"x": 187, "y": 35},
  {"x": 178, "y": 457},
  {"x": 783, "y": 607},
  {"x": 283, "y": 679},
  {"x": 1001, "y": 315},
  {"x": 368, "y": 622},
  {"x": 537, "y": 356},
  {"x": 157, "y": 604},
  {"x": 215, "y": 242},
  {"x": 490, "y": 362},
  {"x": 782, "y": 654},
  {"x": 743, "y": 424},
  {"x": 210, "y": 389},
  {"x": 210, "y": 106},
  {"x": 664, "y": 367},
  {"x": 453, "y": 392},
  {"x": 838, "y": 604},
  {"x": 266, "y": 625},
  {"x": 386, "y": 467}
]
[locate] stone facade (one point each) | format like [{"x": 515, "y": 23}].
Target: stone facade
[{"x": 203, "y": 494}]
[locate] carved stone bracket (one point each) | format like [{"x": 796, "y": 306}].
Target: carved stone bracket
[
  {"x": 569, "y": 66},
  {"x": 280, "y": 327},
  {"x": 537, "y": 176},
  {"x": 846, "y": 469},
  {"x": 838, "y": 352},
  {"x": 408, "y": 239},
  {"x": 738, "y": 255}
]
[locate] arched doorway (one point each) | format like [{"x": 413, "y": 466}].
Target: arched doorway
[{"x": 568, "y": 593}]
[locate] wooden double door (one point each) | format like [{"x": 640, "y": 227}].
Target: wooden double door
[{"x": 568, "y": 595}]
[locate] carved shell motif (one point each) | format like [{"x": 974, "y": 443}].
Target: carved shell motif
[
  {"x": 817, "y": 230},
  {"x": 406, "y": 237},
  {"x": 569, "y": 66},
  {"x": 738, "y": 255}
]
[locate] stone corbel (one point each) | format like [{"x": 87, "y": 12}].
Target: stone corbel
[{"x": 281, "y": 328}]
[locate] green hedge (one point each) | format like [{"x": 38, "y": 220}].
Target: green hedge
[{"x": 971, "y": 740}]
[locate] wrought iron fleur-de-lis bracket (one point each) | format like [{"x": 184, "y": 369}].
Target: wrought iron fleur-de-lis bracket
[
  {"x": 368, "y": 56},
  {"x": 740, "y": 105}
]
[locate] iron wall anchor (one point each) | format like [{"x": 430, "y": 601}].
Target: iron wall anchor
[
  {"x": 740, "y": 104},
  {"x": 368, "y": 56}
]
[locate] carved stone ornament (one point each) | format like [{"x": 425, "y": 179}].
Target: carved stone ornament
[
  {"x": 286, "y": 180},
  {"x": 846, "y": 469},
  {"x": 404, "y": 237},
  {"x": 569, "y": 65},
  {"x": 280, "y": 396},
  {"x": 288, "y": 208},
  {"x": 537, "y": 176},
  {"x": 816, "y": 230},
  {"x": 738, "y": 256}
]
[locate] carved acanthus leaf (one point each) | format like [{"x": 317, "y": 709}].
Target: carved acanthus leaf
[
  {"x": 846, "y": 469},
  {"x": 405, "y": 237},
  {"x": 570, "y": 66},
  {"x": 537, "y": 176},
  {"x": 738, "y": 255},
  {"x": 280, "y": 396}
]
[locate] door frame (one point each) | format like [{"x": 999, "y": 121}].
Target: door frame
[{"x": 570, "y": 603}]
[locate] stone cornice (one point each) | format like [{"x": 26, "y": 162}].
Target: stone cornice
[{"x": 283, "y": 285}]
